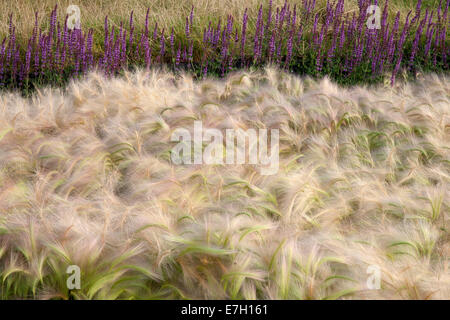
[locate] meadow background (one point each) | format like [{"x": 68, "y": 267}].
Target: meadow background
[
  {"x": 307, "y": 37},
  {"x": 86, "y": 177},
  {"x": 168, "y": 13}
]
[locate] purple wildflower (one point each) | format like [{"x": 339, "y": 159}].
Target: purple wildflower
[
  {"x": 178, "y": 56},
  {"x": 396, "y": 69},
  {"x": 155, "y": 31},
  {"x": 191, "y": 17},
  {"x": 146, "y": 22},
  {"x": 172, "y": 40},
  {"x": 256, "y": 50},
  {"x": 187, "y": 30},
  {"x": 244, "y": 30},
  {"x": 163, "y": 45}
]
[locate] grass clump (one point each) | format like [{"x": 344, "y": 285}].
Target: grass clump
[{"x": 363, "y": 180}]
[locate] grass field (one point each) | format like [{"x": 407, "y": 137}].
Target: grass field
[
  {"x": 323, "y": 38},
  {"x": 86, "y": 179},
  {"x": 168, "y": 13}
]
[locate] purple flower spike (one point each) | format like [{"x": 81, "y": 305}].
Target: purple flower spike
[
  {"x": 187, "y": 30},
  {"x": 163, "y": 45},
  {"x": 146, "y": 22},
  {"x": 269, "y": 15},
  {"x": 178, "y": 57},
  {"x": 396, "y": 69},
  {"x": 244, "y": 33},
  {"x": 171, "y": 39},
  {"x": 155, "y": 31},
  {"x": 191, "y": 17}
]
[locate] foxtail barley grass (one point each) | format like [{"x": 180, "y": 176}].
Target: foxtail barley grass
[{"x": 86, "y": 179}]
